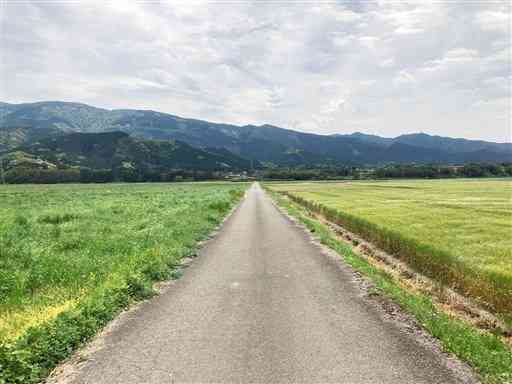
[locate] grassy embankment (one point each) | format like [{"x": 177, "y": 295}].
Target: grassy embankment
[
  {"x": 73, "y": 256},
  {"x": 448, "y": 230}
]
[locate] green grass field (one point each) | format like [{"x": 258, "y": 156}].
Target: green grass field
[
  {"x": 457, "y": 231},
  {"x": 72, "y": 256}
]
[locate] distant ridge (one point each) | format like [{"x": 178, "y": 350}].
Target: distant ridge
[
  {"x": 117, "y": 150},
  {"x": 424, "y": 140},
  {"x": 266, "y": 143}
]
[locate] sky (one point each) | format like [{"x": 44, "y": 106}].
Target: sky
[{"x": 379, "y": 67}]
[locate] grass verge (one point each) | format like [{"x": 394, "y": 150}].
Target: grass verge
[{"x": 485, "y": 352}]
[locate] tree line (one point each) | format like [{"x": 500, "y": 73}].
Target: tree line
[
  {"x": 444, "y": 171},
  {"x": 423, "y": 171},
  {"x": 22, "y": 175},
  {"x": 304, "y": 173}
]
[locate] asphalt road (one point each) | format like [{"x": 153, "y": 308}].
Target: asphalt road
[{"x": 262, "y": 303}]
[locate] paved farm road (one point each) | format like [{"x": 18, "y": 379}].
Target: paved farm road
[{"x": 262, "y": 304}]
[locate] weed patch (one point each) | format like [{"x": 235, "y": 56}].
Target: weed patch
[{"x": 57, "y": 218}]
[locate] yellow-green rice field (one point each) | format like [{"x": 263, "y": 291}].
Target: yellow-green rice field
[{"x": 457, "y": 230}]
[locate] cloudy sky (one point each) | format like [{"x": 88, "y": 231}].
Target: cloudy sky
[{"x": 329, "y": 67}]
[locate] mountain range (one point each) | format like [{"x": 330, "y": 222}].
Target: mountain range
[
  {"x": 42, "y": 129},
  {"x": 109, "y": 150}
]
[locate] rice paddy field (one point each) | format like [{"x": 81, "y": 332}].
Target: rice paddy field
[
  {"x": 456, "y": 231},
  {"x": 72, "y": 256}
]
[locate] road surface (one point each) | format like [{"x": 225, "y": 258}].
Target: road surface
[{"x": 262, "y": 303}]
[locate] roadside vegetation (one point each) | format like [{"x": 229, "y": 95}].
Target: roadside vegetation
[
  {"x": 456, "y": 232},
  {"x": 73, "y": 256},
  {"x": 487, "y": 353}
]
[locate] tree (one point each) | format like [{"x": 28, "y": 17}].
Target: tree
[{"x": 2, "y": 173}]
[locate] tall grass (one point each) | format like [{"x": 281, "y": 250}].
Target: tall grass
[{"x": 73, "y": 256}]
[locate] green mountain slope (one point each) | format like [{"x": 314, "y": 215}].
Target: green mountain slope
[
  {"x": 263, "y": 143},
  {"x": 113, "y": 150},
  {"x": 12, "y": 137}
]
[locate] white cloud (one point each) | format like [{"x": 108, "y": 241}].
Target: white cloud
[
  {"x": 369, "y": 41},
  {"x": 492, "y": 20},
  {"x": 387, "y": 63},
  {"x": 408, "y": 31},
  {"x": 404, "y": 78},
  {"x": 461, "y": 55},
  {"x": 384, "y": 67},
  {"x": 331, "y": 10}
]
